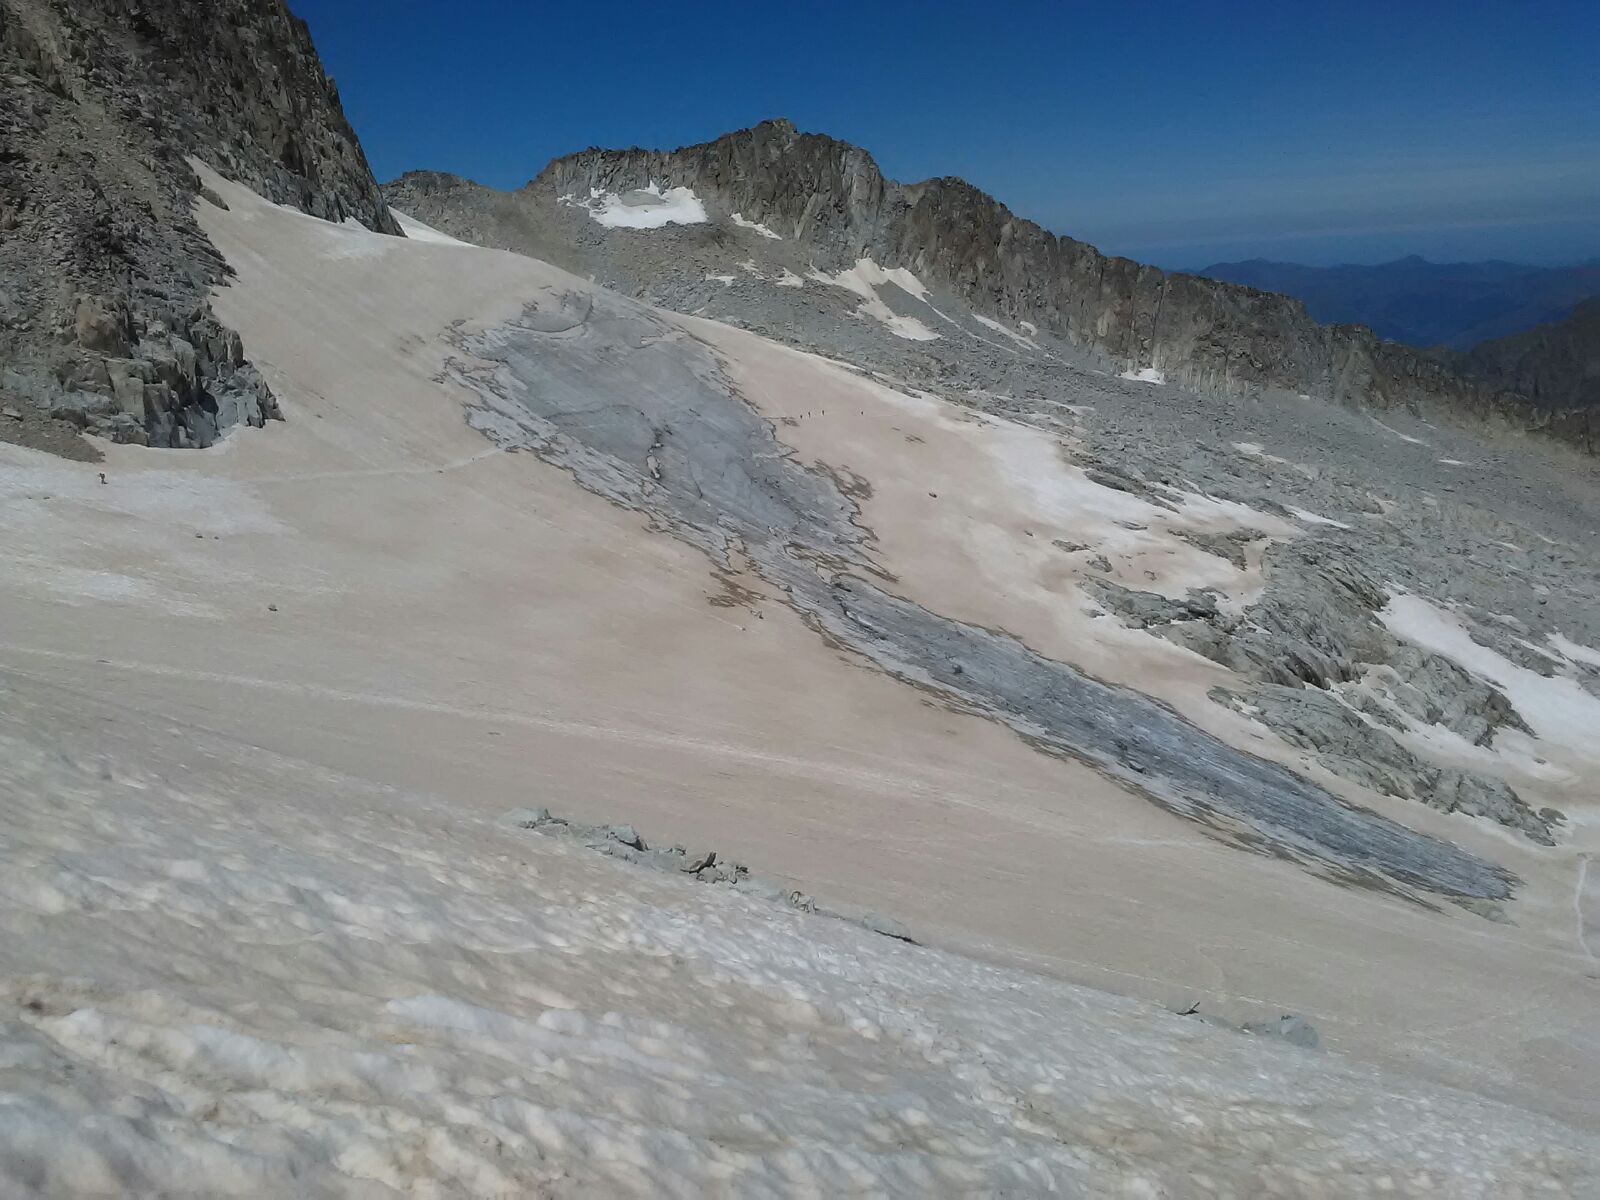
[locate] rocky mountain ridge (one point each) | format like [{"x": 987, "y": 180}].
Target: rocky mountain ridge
[
  {"x": 104, "y": 274},
  {"x": 1209, "y": 336},
  {"x": 1558, "y": 364}
]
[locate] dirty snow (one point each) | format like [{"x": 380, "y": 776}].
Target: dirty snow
[{"x": 245, "y": 978}]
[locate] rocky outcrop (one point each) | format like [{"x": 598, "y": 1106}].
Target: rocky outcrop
[
  {"x": 1555, "y": 365},
  {"x": 1328, "y": 677},
  {"x": 831, "y": 196},
  {"x": 104, "y": 273}
]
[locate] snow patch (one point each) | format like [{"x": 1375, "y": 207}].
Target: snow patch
[
  {"x": 1311, "y": 518},
  {"x": 1557, "y": 708},
  {"x": 1404, "y": 437},
  {"x": 1574, "y": 651},
  {"x": 642, "y": 208},
  {"x": 989, "y": 323},
  {"x": 790, "y": 279},
  {"x": 1144, "y": 375},
  {"x": 756, "y": 226},
  {"x": 864, "y": 279}
]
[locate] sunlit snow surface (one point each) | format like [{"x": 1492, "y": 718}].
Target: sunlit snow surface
[
  {"x": 251, "y": 978},
  {"x": 642, "y": 208}
]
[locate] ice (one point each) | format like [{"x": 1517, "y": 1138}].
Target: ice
[
  {"x": 757, "y": 226},
  {"x": 643, "y": 208}
]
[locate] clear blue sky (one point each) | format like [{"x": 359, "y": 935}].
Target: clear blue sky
[{"x": 1176, "y": 133}]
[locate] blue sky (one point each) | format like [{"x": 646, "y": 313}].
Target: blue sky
[{"x": 1175, "y": 133}]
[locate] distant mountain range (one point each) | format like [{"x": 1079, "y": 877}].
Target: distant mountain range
[{"x": 1422, "y": 303}]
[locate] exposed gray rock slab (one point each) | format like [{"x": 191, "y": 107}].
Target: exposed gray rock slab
[{"x": 620, "y": 389}]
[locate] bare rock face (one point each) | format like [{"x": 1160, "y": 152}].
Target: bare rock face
[
  {"x": 1556, "y": 365},
  {"x": 104, "y": 322},
  {"x": 1207, "y": 335}
]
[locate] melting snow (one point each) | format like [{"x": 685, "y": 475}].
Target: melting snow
[
  {"x": 643, "y": 208},
  {"x": 790, "y": 279}
]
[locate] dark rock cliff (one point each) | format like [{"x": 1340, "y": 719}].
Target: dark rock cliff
[
  {"x": 1208, "y": 335},
  {"x": 1556, "y": 365},
  {"x": 104, "y": 273}
]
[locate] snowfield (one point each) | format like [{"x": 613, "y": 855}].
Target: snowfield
[
  {"x": 241, "y": 977},
  {"x": 266, "y": 928}
]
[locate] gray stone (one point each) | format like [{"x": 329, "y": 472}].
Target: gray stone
[
  {"x": 528, "y": 818},
  {"x": 626, "y": 835}
]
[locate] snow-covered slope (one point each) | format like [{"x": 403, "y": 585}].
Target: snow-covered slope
[
  {"x": 267, "y": 926},
  {"x": 240, "y": 976}
]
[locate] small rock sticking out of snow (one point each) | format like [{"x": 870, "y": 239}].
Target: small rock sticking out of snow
[
  {"x": 642, "y": 208},
  {"x": 790, "y": 279},
  {"x": 756, "y": 226}
]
